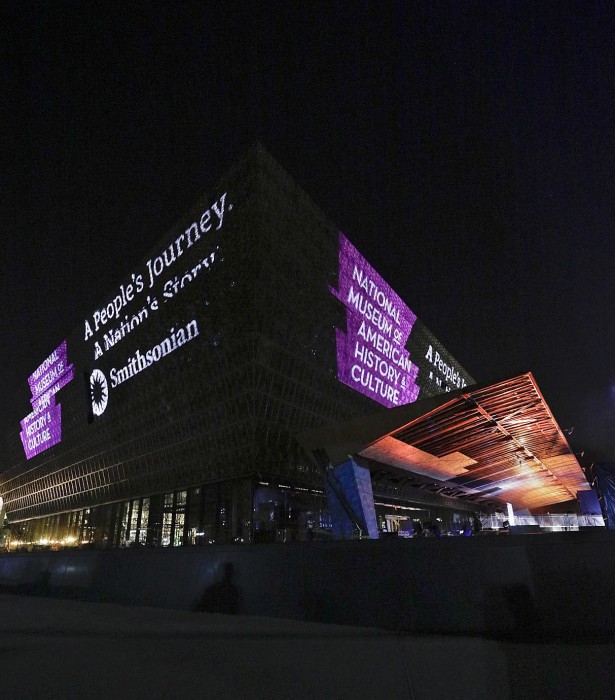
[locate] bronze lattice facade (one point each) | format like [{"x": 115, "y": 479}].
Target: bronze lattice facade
[{"x": 171, "y": 413}]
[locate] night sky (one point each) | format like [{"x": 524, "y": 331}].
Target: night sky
[{"x": 467, "y": 149}]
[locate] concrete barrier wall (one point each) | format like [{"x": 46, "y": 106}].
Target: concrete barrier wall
[{"x": 500, "y": 585}]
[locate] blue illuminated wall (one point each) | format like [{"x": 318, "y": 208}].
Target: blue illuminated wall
[
  {"x": 606, "y": 483},
  {"x": 353, "y": 484}
]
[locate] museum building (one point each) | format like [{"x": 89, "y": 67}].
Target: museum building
[{"x": 253, "y": 362}]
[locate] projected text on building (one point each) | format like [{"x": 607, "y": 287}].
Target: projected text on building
[
  {"x": 371, "y": 355},
  {"x": 42, "y": 427}
]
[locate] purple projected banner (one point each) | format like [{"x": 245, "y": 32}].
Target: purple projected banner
[
  {"x": 42, "y": 428},
  {"x": 371, "y": 355},
  {"x": 50, "y": 372}
]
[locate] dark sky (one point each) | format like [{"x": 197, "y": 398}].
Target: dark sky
[{"x": 468, "y": 150}]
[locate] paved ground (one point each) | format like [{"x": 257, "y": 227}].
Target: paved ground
[{"x": 67, "y": 649}]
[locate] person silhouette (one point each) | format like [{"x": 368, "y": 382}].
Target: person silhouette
[{"x": 221, "y": 596}]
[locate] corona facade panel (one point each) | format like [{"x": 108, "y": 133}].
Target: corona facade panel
[{"x": 169, "y": 415}]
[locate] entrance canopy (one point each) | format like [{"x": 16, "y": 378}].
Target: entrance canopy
[{"x": 494, "y": 443}]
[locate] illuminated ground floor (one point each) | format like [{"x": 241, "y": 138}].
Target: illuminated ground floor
[
  {"x": 485, "y": 460},
  {"x": 235, "y": 511}
]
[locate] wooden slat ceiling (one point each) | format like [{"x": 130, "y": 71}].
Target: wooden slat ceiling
[{"x": 501, "y": 441}]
